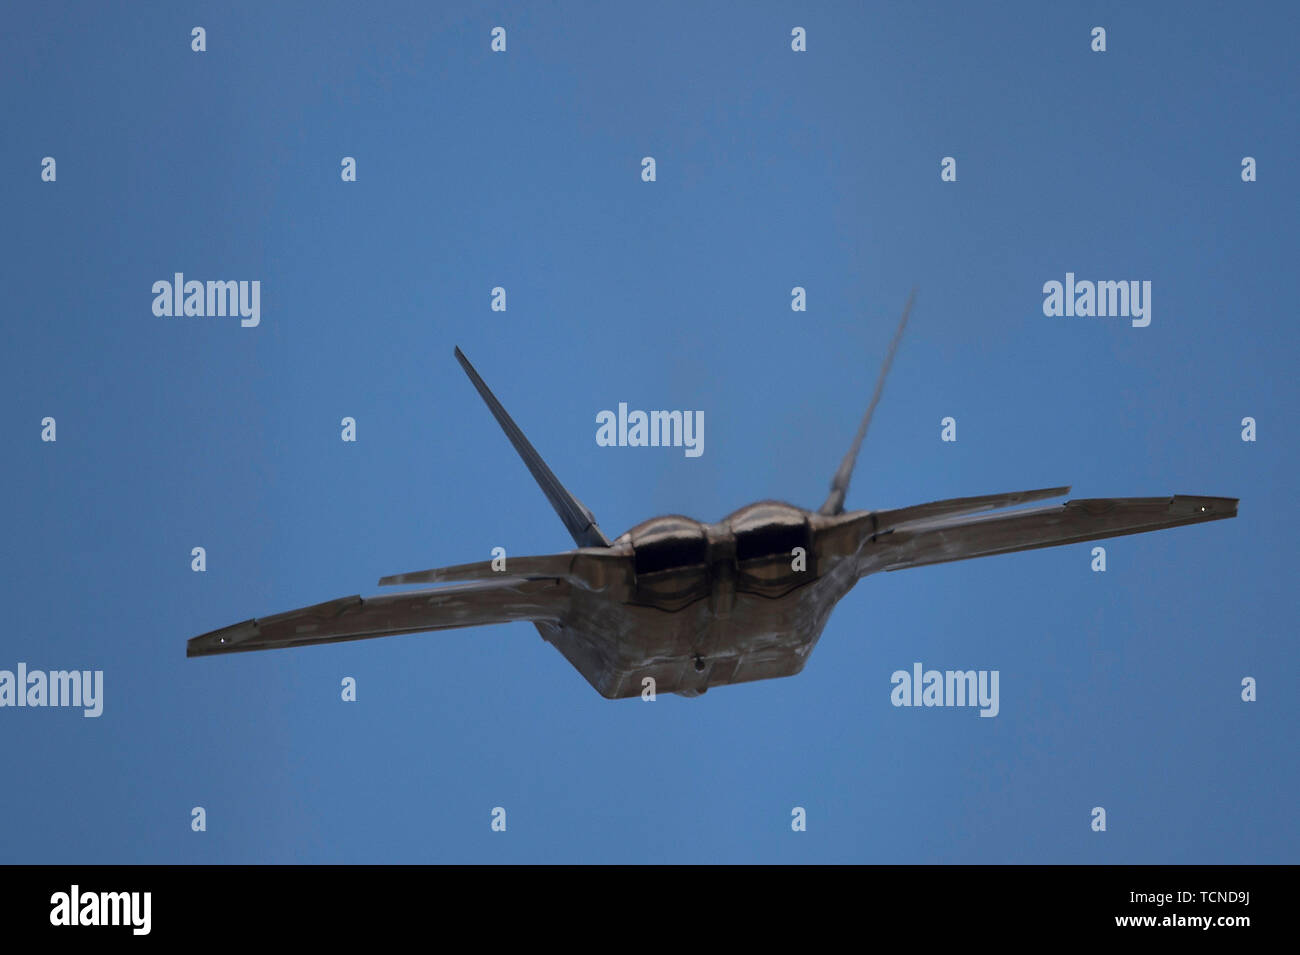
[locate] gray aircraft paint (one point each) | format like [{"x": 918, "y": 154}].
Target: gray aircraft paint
[{"x": 693, "y": 605}]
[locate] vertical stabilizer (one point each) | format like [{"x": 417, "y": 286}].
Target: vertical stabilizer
[{"x": 580, "y": 522}]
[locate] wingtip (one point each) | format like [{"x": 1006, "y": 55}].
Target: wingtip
[
  {"x": 223, "y": 640},
  {"x": 1206, "y": 506}
]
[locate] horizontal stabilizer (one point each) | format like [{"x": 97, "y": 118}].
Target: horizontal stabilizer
[
  {"x": 355, "y": 618},
  {"x": 589, "y": 568},
  {"x": 551, "y": 565},
  {"x": 938, "y": 540},
  {"x": 886, "y": 520}
]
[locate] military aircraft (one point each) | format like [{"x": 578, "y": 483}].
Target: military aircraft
[{"x": 690, "y": 605}]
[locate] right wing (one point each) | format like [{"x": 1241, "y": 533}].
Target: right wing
[
  {"x": 939, "y": 540},
  {"x": 357, "y": 618}
]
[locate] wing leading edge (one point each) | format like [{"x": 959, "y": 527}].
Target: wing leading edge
[
  {"x": 920, "y": 543},
  {"x": 358, "y": 618}
]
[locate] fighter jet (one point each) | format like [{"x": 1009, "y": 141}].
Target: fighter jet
[{"x": 681, "y": 606}]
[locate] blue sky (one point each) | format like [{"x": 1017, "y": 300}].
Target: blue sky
[{"x": 522, "y": 170}]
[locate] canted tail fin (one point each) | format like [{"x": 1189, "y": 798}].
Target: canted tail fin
[
  {"x": 579, "y": 521},
  {"x": 840, "y": 482}
]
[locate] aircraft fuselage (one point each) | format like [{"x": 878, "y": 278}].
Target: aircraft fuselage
[{"x": 694, "y": 605}]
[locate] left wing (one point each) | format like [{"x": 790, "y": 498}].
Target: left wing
[{"x": 358, "y": 618}]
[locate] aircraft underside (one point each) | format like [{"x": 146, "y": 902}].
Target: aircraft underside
[{"x": 678, "y": 605}]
